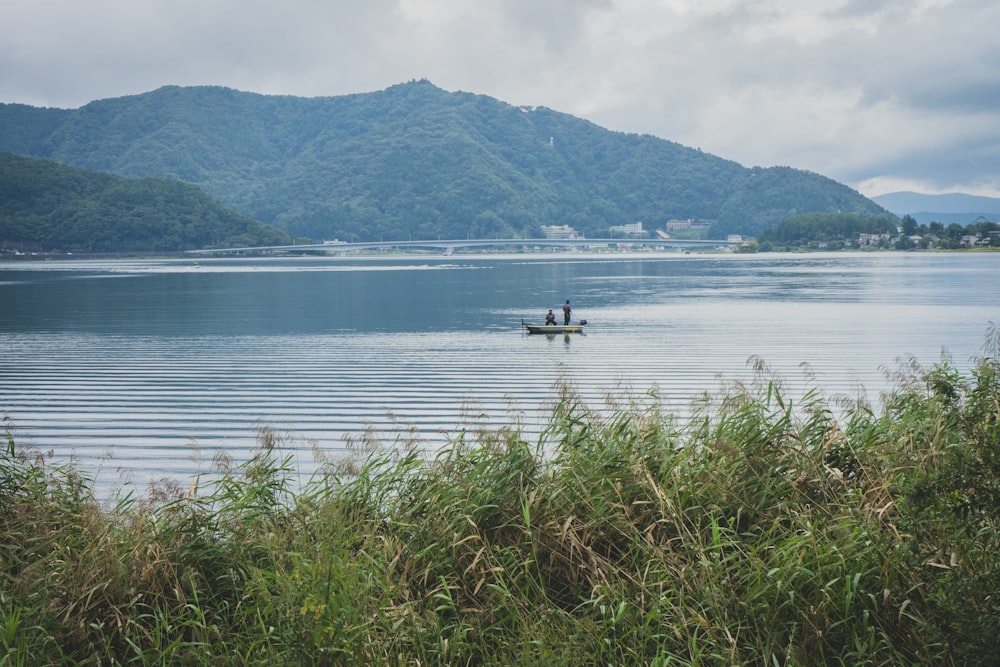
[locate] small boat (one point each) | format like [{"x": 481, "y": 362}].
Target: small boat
[{"x": 553, "y": 328}]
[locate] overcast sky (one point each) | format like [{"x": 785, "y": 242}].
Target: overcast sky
[{"x": 882, "y": 95}]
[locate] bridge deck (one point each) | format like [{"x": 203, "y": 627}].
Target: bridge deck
[{"x": 473, "y": 243}]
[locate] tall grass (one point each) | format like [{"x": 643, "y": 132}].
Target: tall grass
[{"x": 761, "y": 532}]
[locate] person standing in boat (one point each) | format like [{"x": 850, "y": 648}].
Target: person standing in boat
[
  {"x": 550, "y": 318},
  {"x": 566, "y": 311}
]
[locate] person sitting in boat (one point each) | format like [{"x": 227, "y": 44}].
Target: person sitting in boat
[{"x": 550, "y": 318}]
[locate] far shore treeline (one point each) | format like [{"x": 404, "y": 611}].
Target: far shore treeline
[
  {"x": 766, "y": 530},
  {"x": 46, "y": 207},
  {"x": 838, "y": 231}
]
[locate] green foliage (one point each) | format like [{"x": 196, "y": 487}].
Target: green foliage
[
  {"x": 947, "y": 429},
  {"x": 950, "y": 237},
  {"x": 46, "y": 206},
  {"x": 841, "y": 230},
  {"x": 771, "y": 196},
  {"x": 414, "y": 161},
  {"x": 837, "y": 228},
  {"x": 762, "y": 532}
]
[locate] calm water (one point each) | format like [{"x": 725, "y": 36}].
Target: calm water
[{"x": 147, "y": 369}]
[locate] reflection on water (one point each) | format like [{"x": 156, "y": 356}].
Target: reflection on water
[{"x": 143, "y": 369}]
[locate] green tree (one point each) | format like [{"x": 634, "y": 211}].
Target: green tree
[
  {"x": 833, "y": 229},
  {"x": 50, "y": 207}
]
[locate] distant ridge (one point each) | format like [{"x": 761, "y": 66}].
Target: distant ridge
[{"x": 953, "y": 207}]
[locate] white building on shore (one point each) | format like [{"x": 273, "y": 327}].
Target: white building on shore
[
  {"x": 631, "y": 229},
  {"x": 559, "y": 232}
]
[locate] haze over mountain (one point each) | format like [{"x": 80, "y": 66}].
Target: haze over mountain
[
  {"x": 958, "y": 208},
  {"x": 414, "y": 161}
]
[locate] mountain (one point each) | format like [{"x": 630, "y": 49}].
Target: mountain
[
  {"x": 955, "y": 207},
  {"x": 47, "y": 206},
  {"x": 414, "y": 161}
]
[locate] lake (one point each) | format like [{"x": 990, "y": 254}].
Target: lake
[{"x": 147, "y": 369}]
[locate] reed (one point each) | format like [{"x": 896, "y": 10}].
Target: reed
[{"x": 763, "y": 531}]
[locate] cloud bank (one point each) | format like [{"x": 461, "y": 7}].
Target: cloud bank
[{"x": 882, "y": 95}]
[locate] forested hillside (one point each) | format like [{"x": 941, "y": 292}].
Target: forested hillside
[
  {"x": 414, "y": 161},
  {"x": 46, "y": 206}
]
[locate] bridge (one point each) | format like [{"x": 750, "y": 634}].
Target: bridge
[{"x": 448, "y": 246}]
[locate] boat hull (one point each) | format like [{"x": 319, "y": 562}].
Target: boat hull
[{"x": 553, "y": 328}]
